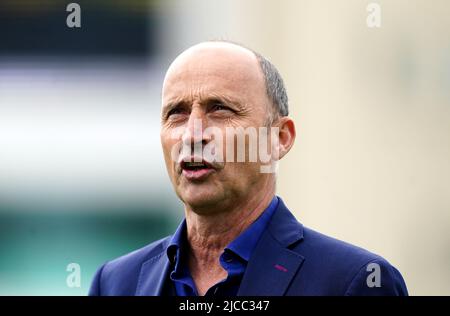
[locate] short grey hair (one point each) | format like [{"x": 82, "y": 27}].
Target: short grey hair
[{"x": 275, "y": 88}]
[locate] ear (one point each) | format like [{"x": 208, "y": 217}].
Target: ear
[{"x": 286, "y": 135}]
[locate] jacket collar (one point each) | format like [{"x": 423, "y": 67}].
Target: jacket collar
[
  {"x": 284, "y": 227},
  {"x": 273, "y": 265},
  {"x": 154, "y": 273}
]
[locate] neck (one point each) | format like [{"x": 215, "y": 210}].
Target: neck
[{"x": 209, "y": 234}]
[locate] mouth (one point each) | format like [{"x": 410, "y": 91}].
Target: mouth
[{"x": 196, "y": 171}]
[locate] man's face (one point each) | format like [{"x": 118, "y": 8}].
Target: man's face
[{"x": 216, "y": 85}]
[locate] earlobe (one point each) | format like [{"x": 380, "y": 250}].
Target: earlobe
[{"x": 286, "y": 135}]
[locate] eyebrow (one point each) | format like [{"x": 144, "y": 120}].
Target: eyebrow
[
  {"x": 226, "y": 99},
  {"x": 172, "y": 104},
  {"x": 176, "y": 102}
]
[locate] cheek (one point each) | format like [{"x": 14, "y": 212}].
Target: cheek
[
  {"x": 166, "y": 150},
  {"x": 241, "y": 174},
  {"x": 167, "y": 141},
  {"x": 167, "y": 146}
]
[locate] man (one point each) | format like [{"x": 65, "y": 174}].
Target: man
[{"x": 238, "y": 237}]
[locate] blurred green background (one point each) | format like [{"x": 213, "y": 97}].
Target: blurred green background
[{"x": 38, "y": 245}]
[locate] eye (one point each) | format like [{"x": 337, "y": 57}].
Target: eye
[
  {"x": 175, "y": 111},
  {"x": 219, "y": 106}
]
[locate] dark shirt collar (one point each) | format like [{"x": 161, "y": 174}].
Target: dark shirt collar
[
  {"x": 242, "y": 246},
  {"x": 177, "y": 241},
  {"x": 245, "y": 243}
]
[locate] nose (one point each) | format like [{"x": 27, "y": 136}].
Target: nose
[{"x": 194, "y": 132}]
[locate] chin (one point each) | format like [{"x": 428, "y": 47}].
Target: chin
[{"x": 200, "y": 199}]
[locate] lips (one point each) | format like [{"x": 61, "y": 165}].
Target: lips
[{"x": 196, "y": 170}]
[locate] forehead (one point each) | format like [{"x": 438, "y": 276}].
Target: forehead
[{"x": 215, "y": 69}]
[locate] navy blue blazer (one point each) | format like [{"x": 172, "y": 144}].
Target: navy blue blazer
[{"x": 289, "y": 259}]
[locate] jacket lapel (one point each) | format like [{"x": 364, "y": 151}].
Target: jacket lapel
[
  {"x": 153, "y": 275},
  {"x": 273, "y": 265}
]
